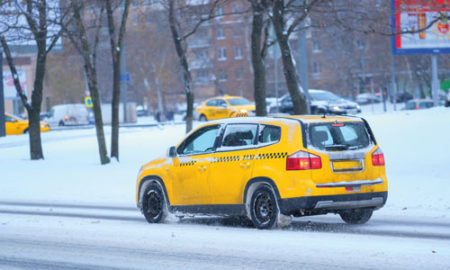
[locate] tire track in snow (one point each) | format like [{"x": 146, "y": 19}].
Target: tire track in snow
[{"x": 414, "y": 229}]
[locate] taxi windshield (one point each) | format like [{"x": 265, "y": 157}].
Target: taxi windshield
[{"x": 238, "y": 101}]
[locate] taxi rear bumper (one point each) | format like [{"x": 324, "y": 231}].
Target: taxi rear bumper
[{"x": 321, "y": 204}]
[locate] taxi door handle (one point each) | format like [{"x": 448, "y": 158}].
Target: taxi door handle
[
  {"x": 245, "y": 165},
  {"x": 201, "y": 168}
]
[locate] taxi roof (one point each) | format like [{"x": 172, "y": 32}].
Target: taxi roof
[{"x": 288, "y": 119}]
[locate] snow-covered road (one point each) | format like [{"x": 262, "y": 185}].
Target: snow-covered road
[{"x": 67, "y": 237}]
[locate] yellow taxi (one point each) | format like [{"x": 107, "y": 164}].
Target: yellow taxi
[
  {"x": 223, "y": 107},
  {"x": 265, "y": 168},
  {"x": 14, "y": 125}
]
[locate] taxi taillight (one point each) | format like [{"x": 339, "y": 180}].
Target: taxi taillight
[
  {"x": 378, "y": 157},
  {"x": 302, "y": 160}
]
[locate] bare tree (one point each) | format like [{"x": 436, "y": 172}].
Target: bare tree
[
  {"x": 26, "y": 22},
  {"x": 80, "y": 36},
  {"x": 259, "y": 39},
  {"x": 184, "y": 20},
  {"x": 116, "y": 41}
]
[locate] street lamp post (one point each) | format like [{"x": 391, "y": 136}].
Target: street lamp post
[{"x": 2, "y": 99}]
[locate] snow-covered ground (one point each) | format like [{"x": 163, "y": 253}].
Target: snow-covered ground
[{"x": 411, "y": 232}]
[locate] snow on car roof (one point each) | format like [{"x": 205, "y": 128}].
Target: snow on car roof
[{"x": 287, "y": 119}]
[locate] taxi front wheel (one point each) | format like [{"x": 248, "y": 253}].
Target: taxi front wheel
[
  {"x": 263, "y": 208},
  {"x": 356, "y": 216},
  {"x": 154, "y": 204}
]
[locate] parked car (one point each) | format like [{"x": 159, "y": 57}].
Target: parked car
[
  {"x": 367, "y": 98},
  {"x": 223, "y": 107},
  {"x": 261, "y": 167},
  {"x": 403, "y": 97},
  {"x": 447, "y": 101},
  {"x": 322, "y": 102},
  {"x": 15, "y": 125},
  {"x": 419, "y": 104},
  {"x": 68, "y": 114}
]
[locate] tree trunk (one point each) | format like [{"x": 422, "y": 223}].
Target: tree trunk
[
  {"x": 93, "y": 89},
  {"x": 181, "y": 52},
  {"x": 298, "y": 99},
  {"x": 36, "y": 100},
  {"x": 259, "y": 76},
  {"x": 116, "y": 52},
  {"x": 115, "y": 109}
]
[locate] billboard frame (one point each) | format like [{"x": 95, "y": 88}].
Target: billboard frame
[{"x": 401, "y": 51}]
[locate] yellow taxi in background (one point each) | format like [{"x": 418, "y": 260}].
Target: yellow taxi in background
[
  {"x": 267, "y": 168},
  {"x": 224, "y": 107},
  {"x": 15, "y": 125}
]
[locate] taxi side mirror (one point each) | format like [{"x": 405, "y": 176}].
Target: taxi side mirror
[{"x": 172, "y": 152}]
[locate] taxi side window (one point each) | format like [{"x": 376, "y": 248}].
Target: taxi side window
[
  {"x": 9, "y": 119},
  {"x": 268, "y": 134},
  {"x": 221, "y": 103},
  {"x": 202, "y": 141},
  {"x": 239, "y": 135},
  {"x": 212, "y": 103}
]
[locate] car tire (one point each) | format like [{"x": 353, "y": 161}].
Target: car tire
[
  {"x": 203, "y": 118},
  {"x": 356, "y": 216},
  {"x": 61, "y": 123},
  {"x": 154, "y": 204},
  {"x": 25, "y": 131},
  {"x": 264, "y": 208}
]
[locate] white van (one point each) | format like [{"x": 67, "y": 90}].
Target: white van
[{"x": 68, "y": 114}]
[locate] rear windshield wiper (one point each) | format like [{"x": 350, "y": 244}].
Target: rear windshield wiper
[{"x": 336, "y": 147}]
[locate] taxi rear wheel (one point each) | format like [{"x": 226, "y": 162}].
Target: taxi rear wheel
[
  {"x": 356, "y": 216},
  {"x": 154, "y": 205},
  {"x": 263, "y": 208},
  {"x": 203, "y": 118}
]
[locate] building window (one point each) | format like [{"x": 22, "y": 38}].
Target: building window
[
  {"x": 223, "y": 77},
  {"x": 136, "y": 19},
  {"x": 238, "y": 74},
  {"x": 238, "y": 52},
  {"x": 316, "y": 68},
  {"x": 147, "y": 3},
  {"x": 316, "y": 46},
  {"x": 236, "y": 8},
  {"x": 220, "y": 11},
  {"x": 201, "y": 54},
  {"x": 135, "y": 4},
  {"x": 148, "y": 18},
  {"x": 220, "y": 33},
  {"x": 360, "y": 44},
  {"x": 203, "y": 75},
  {"x": 222, "y": 54}
]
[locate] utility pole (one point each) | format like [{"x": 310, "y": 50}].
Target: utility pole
[
  {"x": 124, "y": 78},
  {"x": 393, "y": 84},
  {"x": 434, "y": 80},
  {"x": 2, "y": 99},
  {"x": 303, "y": 55}
]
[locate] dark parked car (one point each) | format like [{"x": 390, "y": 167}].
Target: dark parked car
[
  {"x": 403, "y": 97},
  {"x": 322, "y": 102},
  {"x": 419, "y": 104}
]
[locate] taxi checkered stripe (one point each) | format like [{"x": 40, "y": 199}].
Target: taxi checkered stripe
[
  {"x": 272, "y": 155},
  {"x": 190, "y": 163},
  {"x": 226, "y": 159},
  {"x": 248, "y": 157}
]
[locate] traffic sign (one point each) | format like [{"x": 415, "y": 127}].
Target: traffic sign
[
  {"x": 88, "y": 102},
  {"x": 125, "y": 77}
]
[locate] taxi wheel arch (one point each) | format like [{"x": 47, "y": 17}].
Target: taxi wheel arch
[
  {"x": 203, "y": 118},
  {"x": 261, "y": 185},
  {"x": 148, "y": 180}
]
